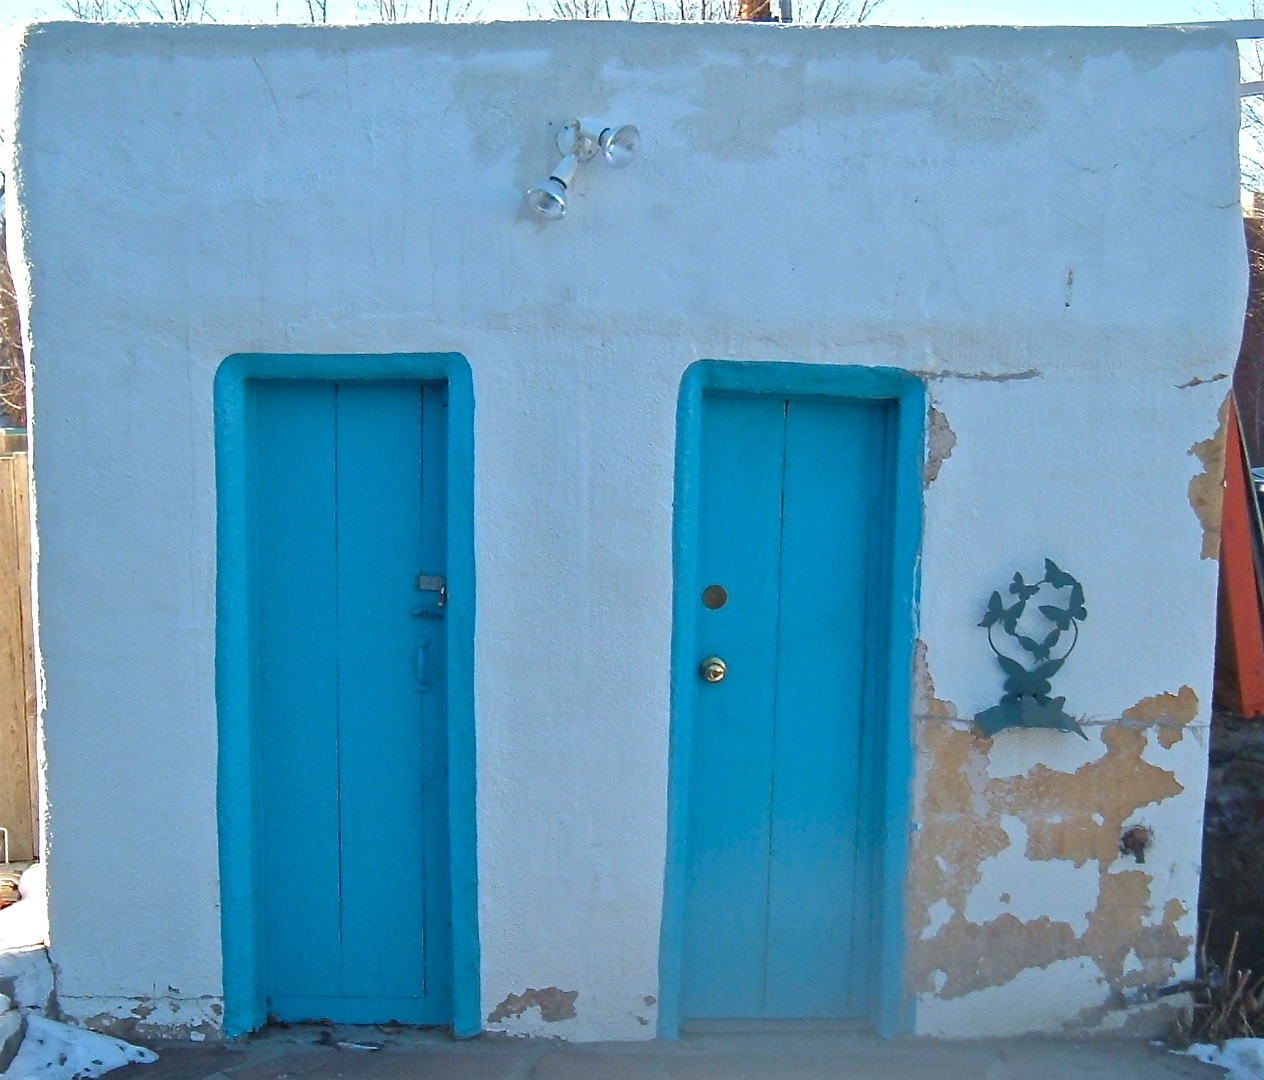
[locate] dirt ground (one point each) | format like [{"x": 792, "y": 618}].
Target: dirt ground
[{"x": 300, "y": 1054}]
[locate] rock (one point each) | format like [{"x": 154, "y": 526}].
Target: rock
[
  {"x": 12, "y": 1029},
  {"x": 27, "y": 977}
]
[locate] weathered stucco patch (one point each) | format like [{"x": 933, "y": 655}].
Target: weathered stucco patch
[
  {"x": 1078, "y": 816},
  {"x": 999, "y": 950},
  {"x": 940, "y": 440},
  {"x": 955, "y": 833},
  {"x": 1206, "y": 489},
  {"x": 554, "y": 1005},
  {"x": 925, "y": 703},
  {"x": 1170, "y": 713},
  {"x": 1075, "y": 818},
  {"x": 181, "y": 1019}
]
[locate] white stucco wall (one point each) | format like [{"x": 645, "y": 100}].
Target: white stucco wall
[{"x": 1059, "y": 206}]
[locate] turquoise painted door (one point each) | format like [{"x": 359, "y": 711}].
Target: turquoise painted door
[
  {"x": 347, "y": 521},
  {"x": 784, "y": 844}
]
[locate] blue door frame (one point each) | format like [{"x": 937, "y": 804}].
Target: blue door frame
[
  {"x": 907, "y": 394},
  {"x": 239, "y": 774}
]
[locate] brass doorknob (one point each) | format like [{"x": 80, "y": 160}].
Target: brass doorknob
[{"x": 713, "y": 669}]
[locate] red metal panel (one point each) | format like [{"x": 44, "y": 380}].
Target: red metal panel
[{"x": 1238, "y": 588}]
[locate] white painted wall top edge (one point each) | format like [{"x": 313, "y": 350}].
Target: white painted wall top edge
[{"x": 1098, "y": 40}]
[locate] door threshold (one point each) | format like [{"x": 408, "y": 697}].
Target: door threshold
[{"x": 773, "y": 1026}]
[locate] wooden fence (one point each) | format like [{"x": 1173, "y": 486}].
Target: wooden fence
[{"x": 19, "y": 794}]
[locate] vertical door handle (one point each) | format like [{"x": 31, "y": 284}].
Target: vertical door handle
[{"x": 422, "y": 651}]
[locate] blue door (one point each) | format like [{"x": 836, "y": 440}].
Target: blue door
[
  {"x": 348, "y": 556},
  {"x": 784, "y": 847}
]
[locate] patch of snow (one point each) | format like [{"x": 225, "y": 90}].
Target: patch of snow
[
  {"x": 33, "y": 882},
  {"x": 1242, "y": 1058},
  {"x": 53, "y": 1051},
  {"x": 25, "y": 924}
]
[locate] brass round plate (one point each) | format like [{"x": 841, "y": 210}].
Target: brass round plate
[{"x": 714, "y": 597}]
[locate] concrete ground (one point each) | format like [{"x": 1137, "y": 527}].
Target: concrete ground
[{"x": 298, "y": 1054}]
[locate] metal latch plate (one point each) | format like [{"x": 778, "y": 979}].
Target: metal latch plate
[{"x": 432, "y": 583}]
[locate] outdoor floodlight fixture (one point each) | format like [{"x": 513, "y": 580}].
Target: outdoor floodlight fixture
[
  {"x": 579, "y": 142},
  {"x": 549, "y": 199}
]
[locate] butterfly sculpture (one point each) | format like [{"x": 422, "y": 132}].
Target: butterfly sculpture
[{"x": 1026, "y": 701}]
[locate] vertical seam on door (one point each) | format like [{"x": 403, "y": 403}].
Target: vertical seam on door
[
  {"x": 338, "y": 684},
  {"x": 772, "y": 748},
  {"x": 426, "y": 884},
  {"x": 255, "y": 660},
  {"x": 867, "y": 853}
]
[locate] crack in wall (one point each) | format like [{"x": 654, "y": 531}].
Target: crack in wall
[
  {"x": 1196, "y": 381},
  {"x": 983, "y": 376}
]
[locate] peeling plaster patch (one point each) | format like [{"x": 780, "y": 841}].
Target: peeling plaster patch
[
  {"x": 554, "y": 1005},
  {"x": 1150, "y": 1020},
  {"x": 940, "y": 912},
  {"x": 1023, "y": 857},
  {"x": 1012, "y": 884},
  {"x": 1058, "y": 808},
  {"x": 975, "y": 956},
  {"x": 1017, "y": 751},
  {"x": 956, "y": 831},
  {"x": 1196, "y": 381},
  {"x": 926, "y": 703},
  {"x": 1206, "y": 489},
  {"x": 1173, "y": 912},
  {"x": 131, "y": 1027},
  {"x": 1171, "y": 713},
  {"x": 1036, "y": 1000},
  {"x": 195, "y": 1019},
  {"x": 940, "y": 440}
]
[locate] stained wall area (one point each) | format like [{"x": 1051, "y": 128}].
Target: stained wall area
[{"x": 1041, "y": 224}]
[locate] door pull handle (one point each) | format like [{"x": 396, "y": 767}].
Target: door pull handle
[{"x": 422, "y": 655}]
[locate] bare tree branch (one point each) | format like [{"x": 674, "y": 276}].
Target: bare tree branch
[
  {"x": 841, "y": 12},
  {"x": 1251, "y": 135},
  {"x": 581, "y": 9},
  {"x": 95, "y": 10},
  {"x": 168, "y": 11}
]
